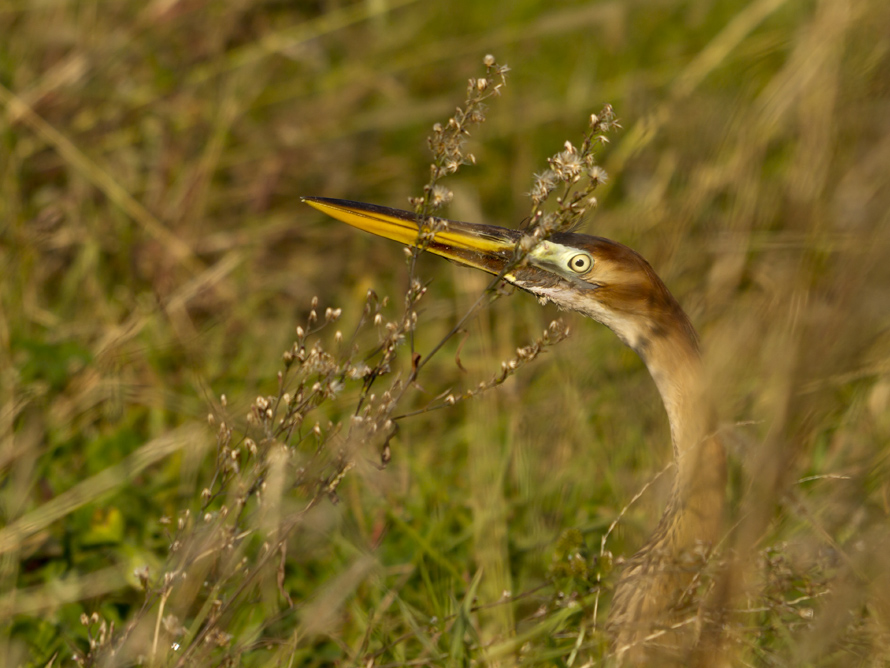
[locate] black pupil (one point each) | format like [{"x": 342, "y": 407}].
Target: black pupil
[{"x": 579, "y": 262}]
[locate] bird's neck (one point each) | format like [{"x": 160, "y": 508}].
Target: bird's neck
[{"x": 675, "y": 364}]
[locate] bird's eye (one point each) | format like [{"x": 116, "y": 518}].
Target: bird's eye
[{"x": 581, "y": 263}]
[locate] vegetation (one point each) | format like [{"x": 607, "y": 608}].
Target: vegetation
[{"x": 224, "y": 436}]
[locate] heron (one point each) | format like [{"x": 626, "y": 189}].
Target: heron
[{"x": 652, "y": 615}]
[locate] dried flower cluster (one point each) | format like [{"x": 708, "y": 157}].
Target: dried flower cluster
[
  {"x": 286, "y": 458},
  {"x": 447, "y": 140},
  {"x": 100, "y": 634},
  {"x": 556, "y": 332},
  {"x": 569, "y": 168}
]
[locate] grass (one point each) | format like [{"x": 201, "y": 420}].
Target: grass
[{"x": 155, "y": 257}]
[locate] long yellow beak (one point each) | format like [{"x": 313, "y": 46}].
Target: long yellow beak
[{"x": 484, "y": 247}]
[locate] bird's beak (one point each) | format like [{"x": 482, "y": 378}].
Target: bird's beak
[{"x": 484, "y": 247}]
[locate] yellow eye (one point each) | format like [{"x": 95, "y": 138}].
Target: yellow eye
[{"x": 581, "y": 263}]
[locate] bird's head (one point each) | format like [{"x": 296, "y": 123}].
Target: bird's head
[{"x": 602, "y": 279}]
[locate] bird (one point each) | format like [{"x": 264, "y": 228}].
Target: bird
[{"x": 652, "y": 619}]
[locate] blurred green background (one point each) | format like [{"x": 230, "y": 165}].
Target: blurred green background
[{"x": 155, "y": 255}]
